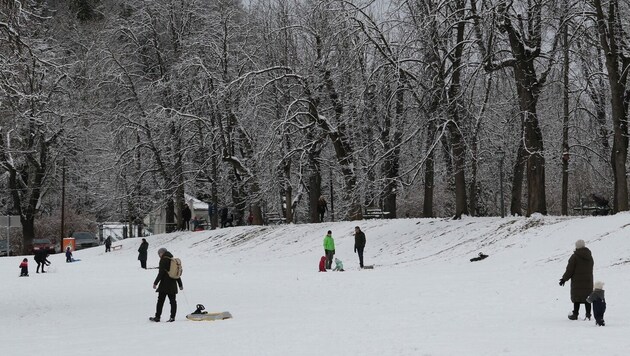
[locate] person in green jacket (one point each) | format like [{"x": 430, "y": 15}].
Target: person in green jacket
[{"x": 329, "y": 249}]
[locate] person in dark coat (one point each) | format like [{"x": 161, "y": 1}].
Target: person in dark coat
[
  {"x": 68, "y": 255},
  {"x": 186, "y": 215},
  {"x": 165, "y": 286},
  {"x": 359, "y": 243},
  {"x": 41, "y": 259},
  {"x": 142, "y": 253},
  {"x": 322, "y": 207},
  {"x": 108, "y": 244},
  {"x": 224, "y": 217},
  {"x": 580, "y": 271}
]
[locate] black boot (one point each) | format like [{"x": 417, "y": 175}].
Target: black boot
[
  {"x": 156, "y": 319},
  {"x": 573, "y": 316},
  {"x": 600, "y": 322}
]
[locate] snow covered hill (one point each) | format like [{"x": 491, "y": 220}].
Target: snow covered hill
[{"x": 424, "y": 297}]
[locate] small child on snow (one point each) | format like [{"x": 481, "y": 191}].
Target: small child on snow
[
  {"x": 24, "y": 268},
  {"x": 598, "y": 301},
  {"x": 68, "y": 254},
  {"x": 338, "y": 265},
  {"x": 322, "y": 264}
]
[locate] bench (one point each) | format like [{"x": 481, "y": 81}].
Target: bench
[
  {"x": 595, "y": 210},
  {"x": 274, "y": 218},
  {"x": 116, "y": 247},
  {"x": 374, "y": 213}
]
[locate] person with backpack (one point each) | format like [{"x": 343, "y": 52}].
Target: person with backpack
[
  {"x": 142, "y": 253},
  {"x": 166, "y": 282}
]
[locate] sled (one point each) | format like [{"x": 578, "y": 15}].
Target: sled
[
  {"x": 209, "y": 316},
  {"x": 368, "y": 267}
]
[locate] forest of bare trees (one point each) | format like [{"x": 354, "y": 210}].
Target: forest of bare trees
[{"x": 415, "y": 107}]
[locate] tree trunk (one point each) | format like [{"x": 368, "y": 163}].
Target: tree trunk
[
  {"x": 516, "y": 201},
  {"x": 610, "y": 32},
  {"x": 457, "y": 140},
  {"x": 427, "y": 206},
  {"x": 564, "y": 205}
]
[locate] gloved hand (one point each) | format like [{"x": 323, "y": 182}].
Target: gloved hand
[{"x": 561, "y": 282}]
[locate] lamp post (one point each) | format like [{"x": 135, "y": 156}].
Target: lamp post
[{"x": 501, "y": 155}]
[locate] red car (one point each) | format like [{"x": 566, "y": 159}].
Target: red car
[{"x": 43, "y": 244}]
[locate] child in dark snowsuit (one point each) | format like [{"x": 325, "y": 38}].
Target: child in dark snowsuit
[
  {"x": 24, "y": 268},
  {"x": 68, "y": 254},
  {"x": 598, "y": 301},
  {"x": 322, "y": 264}
]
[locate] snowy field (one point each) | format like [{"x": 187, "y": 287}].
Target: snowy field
[{"x": 424, "y": 297}]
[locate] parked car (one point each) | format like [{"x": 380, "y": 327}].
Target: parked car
[
  {"x": 4, "y": 251},
  {"x": 43, "y": 244},
  {"x": 84, "y": 239}
]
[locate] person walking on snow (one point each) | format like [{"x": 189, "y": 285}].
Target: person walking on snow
[
  {"x": 142, "y": 253},
  {"x": 580, "y": 271},
  {"x": 599, "y": 303},
  {"x": 165, "y": 286},
  {"x": 329, "y": 249},
  {"x": 359, "y": 244}
]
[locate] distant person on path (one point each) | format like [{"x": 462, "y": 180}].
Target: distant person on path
[
  {"x": 68, "y": 254},
  {"x": 41, "y": 259},
  {"x": 329, "y": 249},
  {"x": 359, "y": 244},
  {"x": 580, "y": 271},
  {"x": 165, "y": 286},
  {"x": 186, "y": 215},
  {"x": 322, "y": 207},
  {"x": 24, "y": 268},
  {"x": 142, "y": 253},
  {"x": 108, "y": 244},
  {"x": 224, "y": 216},
  {"x": 599, "y": 303}
]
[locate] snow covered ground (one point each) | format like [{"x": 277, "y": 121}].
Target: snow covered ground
[{"x": 424, "y": 297}]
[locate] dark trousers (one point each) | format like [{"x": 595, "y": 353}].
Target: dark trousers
[
  {"x": 329, "y": 258},
  {"x": 321, "y": 216},
  {"x": 24, "y": 271},
  {"x": 160, "y": 304},
  {"x": 38, "y": 264},
  {"x": 187, "y": 224},
  {"x": 576, "y": 309},
  {"x": 599, "y": 307},
  {"x": 143, "y": 264},
  {"x": 108, "y": 247},
  {"x": 360, "y": 252}
]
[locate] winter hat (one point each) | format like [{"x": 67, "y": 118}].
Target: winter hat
[
  {"x": 598, "y": 285},
  {"x": 161, "y": 251},
  {"x": 579, "y": 244}
]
